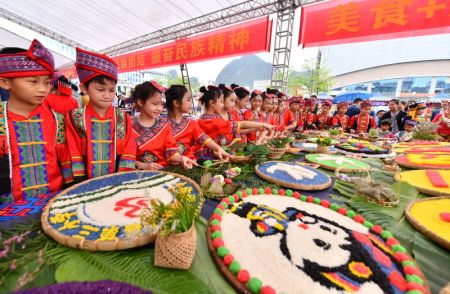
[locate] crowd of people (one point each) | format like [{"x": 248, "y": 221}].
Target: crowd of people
[{"x": 47, "y": 141}]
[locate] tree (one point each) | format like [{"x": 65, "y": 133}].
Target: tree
[{"x": 316, "y": 77}]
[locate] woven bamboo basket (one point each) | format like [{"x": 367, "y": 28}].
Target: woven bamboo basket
[
  {"x": 176, "y": 250},
  {"x": 276, "y": 153}
]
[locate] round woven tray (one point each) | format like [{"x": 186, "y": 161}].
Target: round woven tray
[
  {"x": 294, "y": 185},
  {"x": 330, "y": 167},
  {"x": 421, "y": 228},
  {"x": 117, "y": 244},
  {"x": 389, "y": 155},
  {"x": 398, "y": 178},
  {"x": 243, "y": 287},
  {"x": 400, "y": 160},
  {"x": 240, "y": 288}
]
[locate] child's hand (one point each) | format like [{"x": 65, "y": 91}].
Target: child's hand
[
  {"x": 187, "y": 163},
  {"x": 223, "y": 155},
  {"x": 149, "y": 166}
]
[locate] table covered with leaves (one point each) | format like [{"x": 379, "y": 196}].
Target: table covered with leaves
[{"x": 30, "y": 259}]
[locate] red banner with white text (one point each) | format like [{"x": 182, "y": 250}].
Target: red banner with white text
[
  {"x": 243, "y": 38},
  {"x": 342, "y": 21}
]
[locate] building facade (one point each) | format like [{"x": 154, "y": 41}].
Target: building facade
[{"x": 406, "y": 67}]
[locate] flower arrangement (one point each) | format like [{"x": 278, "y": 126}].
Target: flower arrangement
[
  {"x": 324, "y": 141},
  {"x": 175, "y": 217},
  {"x": 334, "y": 132},
  {"x": 279, "y": 142},
  {"x": 373, "y": 133},
  {"x": 426, "y": 131}
]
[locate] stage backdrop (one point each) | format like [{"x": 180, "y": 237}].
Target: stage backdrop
[
  {"x": 343, "y": 21},
  {"x": 243, "y": 38}
]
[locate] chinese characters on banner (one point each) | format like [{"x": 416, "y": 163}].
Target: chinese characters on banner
[
  {"x": 244, "y": 38},
  {"x": 337, "y": 22}
]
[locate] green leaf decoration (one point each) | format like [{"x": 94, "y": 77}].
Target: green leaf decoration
[
  {"x": 136, "y": 267},
  {"x": 24, "y": 265},
  {"x": 431, "y": 258}
]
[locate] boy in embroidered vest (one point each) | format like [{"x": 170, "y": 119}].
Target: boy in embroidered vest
[
  {"x": 363, "y": 122},
  {"x": 340, "y": 120},
  {"x": 100, "y": 137},
  {"x": 34, "y": 158},
  {"x": 408, "y": 134}
]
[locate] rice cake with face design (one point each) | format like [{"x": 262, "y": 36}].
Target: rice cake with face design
[{"x": 278, "y": 244}]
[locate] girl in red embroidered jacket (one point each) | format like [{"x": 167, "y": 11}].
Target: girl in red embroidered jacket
[
  {"x": 186, "y": 131},
  {"x": 322, "y": 120},
  {"x": 240, "y": 106},
  {"x": 156, "y": 146},
  {"x": 253, "y": 114},
  {"x": 220, "y": 130},
  {"x": 340, "y": 120},
  {"x": 362, "y": 122}
]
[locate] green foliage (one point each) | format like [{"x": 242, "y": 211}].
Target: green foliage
[
  {"x": 316, "y": 77},
  {"x": 136, "y": 267},
  {"x": 431, "y": 258},
  {"x": 334, "y": 132},
  {"x": 23, "y": 264},
  {"x": 279, "y": 142},
  {"x": 258, "y": 151},
  {"x": 324, "y": 141}
]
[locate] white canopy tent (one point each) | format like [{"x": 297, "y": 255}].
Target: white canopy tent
[{"x": 98, "y": 24}]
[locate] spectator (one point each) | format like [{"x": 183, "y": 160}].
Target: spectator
[
  {"x": 395, "y": 115},
  {"x": 355, "y": 108},
  {"x": 379, "y": 116},
  {"x": 403, "y": 106}
]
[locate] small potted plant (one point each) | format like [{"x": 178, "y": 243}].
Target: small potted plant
[
  {"x": 177, "y": 237},
  {"x": 426, "y": 132},
  {"x": 300, "y": 137},
  {"x": 277, "y": 147},
  {"x": 323, "y": 145},
  {"x": 334, "y": 133}
]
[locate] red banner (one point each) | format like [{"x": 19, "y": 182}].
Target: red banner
[
  {"x": 343, "y": 21},
  {"x": 244, "y": 38}
]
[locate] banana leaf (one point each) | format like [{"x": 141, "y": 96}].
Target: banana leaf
[
  {"x": 433, "y": 260},
  {"x": 136, "y": 267}
]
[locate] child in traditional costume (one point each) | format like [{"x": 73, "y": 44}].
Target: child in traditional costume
[
  {"x": 266, "y": 108},
  {"x": 242, "y": 98},
  {"x": 34, "y": 158},
  {"x": 417, "y": 110},
  {"x": 296, "y": 106},
  {"x": 253, "y": 114},
  {"x": 384, "y": 129},
  {"x": 156, "y": 146},
  {"x": 322, "y": 120},
  {"x": 363, "y": 122},
  {"x": 61, "y": 100},
  {"x": 408, "y": 134},
  {"x": 283, "y": 108},
  {"x": 443, "y": 119},
  {"x": 340, "y": 120},
  {"x": 100, "y": 136},
  {"x": 186, "y": 131},
  {"x": 220, "y": 130},
  {"x": 310, "y": 105}
]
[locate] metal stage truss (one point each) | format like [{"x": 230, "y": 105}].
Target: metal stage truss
[
  {"x": 285, "y": 10},
  {"x": 282, "y": 45}
]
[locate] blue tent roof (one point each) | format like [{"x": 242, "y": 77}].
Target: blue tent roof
[
  {"x": 442, "y": 96},
  {"x": 350, "y": 96}
]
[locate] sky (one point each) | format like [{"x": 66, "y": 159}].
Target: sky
[{"x": 204, "y": 71}]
